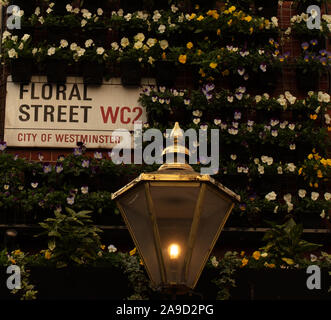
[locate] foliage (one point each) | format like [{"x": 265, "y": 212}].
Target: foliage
[{"x": 73, "y": 238}]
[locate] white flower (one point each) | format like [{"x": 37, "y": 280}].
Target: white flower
[
  {"x": 51, "y": 51},
  {"x": 260, "y": 169},
  {"x": 114, "y": 45},
  {"x": 292, "y": 146},
  {"x": 83, "y": 22},
  {"x": 322, "y": 215},
  {"x": 314, "y": 196},
  {"x": 214, "y": 262},
  {"x": 80, "y": 51},
  {"x": 99, "y": 12},
  {"x": 100, "y": 50},
  {"x": 49, "y": 10},
  {"x": 327, "y": 196},
  {"x": 41, "y": 20},
  {"x": 25, "y": 37},
  {"x": 279, "y": 170},
  {"x": 256, "y": 160},
  {"x": 88, "y": 43},
  {"x": 34, "y": 51},
  {"x": 156, "y": 17},
  {"x": 313, "y": 258},
  {"x": 138, "y": 45},
  {"x": 268, "y": 160},
  {"x": 327, "y": 118},
  {"x": 164, "y": 44},
  {"x": 276, "y": 209},
  {"x": 291, "y": 167},
  {"x": 151, "y": 42},
  {"x": 302, "y": 193},
  {"x": 217, "y": 121},
  {"x": 162, "y": 28},
  {"x": 112, "y": 248},
  {"x": 271, "y": 196},
  {"x": 264, "y": 254},
  {"x": 64, "y": 43},
  {"x": 125, "y": 42},
  {"x": 73, "y": 46},
  {"x": 233, "y": 156},
  {"x": 68, "y": 7},
  {"x": 139, "y": 37},
  {"x": 151, "y": 60},
  {"x": 21, "y": 46},
  {"x": 288, "y": 31},
  {"x": 37, "y": 11},
  {"x": 196, "y": 120},
  {"x": 287, "y": 197},
  {"x": 128, "y": 17}
]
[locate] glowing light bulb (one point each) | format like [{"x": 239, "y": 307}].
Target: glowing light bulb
[{"x": 174, "y": 251}]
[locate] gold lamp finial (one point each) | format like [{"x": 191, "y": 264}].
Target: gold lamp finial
[{"x": 176, "y": 149}]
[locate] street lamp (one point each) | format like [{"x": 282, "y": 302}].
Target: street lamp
[{"x": 175, "y": 216}]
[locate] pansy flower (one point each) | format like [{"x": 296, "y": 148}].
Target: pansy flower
[
  {"x": 241, "y": 71},
  {"x": 77, "y": 152},
  {"x": 3, "y": 146},
  {"x": 47, "y": 168},
  {"x": 305, "y": 45},
  {"x": 237, "y": 115},
  {"x": 85, "y": 163},
  {"x": 58, "y": 168},
  {"x": 263, "y": 67},
  {"x": 314, "y": 42},
  {"x": 97, "y": 155},
  {"x": 84, "y": 189}
]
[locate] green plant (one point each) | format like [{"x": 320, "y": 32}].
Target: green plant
[
  {"x": 284, "y": 243},
  {"x": 72, "y": 237}
]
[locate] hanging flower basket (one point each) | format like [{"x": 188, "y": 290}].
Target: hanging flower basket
[
  {"x": 165, "y": 73},
  {"x": 307, "y": 80},
  {"x": 56, "y": 71},
  {"x": 130, "y": 73},
  {"x": 21, "y": 70},
  {"x": 92, "y": 73}
]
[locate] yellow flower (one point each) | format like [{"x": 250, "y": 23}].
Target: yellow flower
[
  {"x": 216, "y": 15},
  {"x": 248, "y": 18},
  {"x": 256, "y": 255},
  {"x": 317, "y": 156},
  {"x": 270, "y": 265},
  {"x": 213, "y": 65},
  {"x": 300, "y": 171},
  {"x": 202, "y": 73},
  {"x": 199, "y": 52},
  {"x": 319, "y": 174},
  {"x": 251, "y": 30},
  {"x": 329, "y": 128},
  {"x": 192, "y": 16},
  {"x": 102, "y": 247},
  {"x": 189, "y": 45},
  {"x": 133, "y": 251},
  {"x": 141, "y": 262},
  {"x": 164, "y": 56},
  {"x": 17, "y": 252},
  {"x": 226, "y": 11},
  {"x": 310, "y": 156},
  {"x": 13, "y": 261},
  {"x": 324, "y": 162},
  {"x": 313, "y": 116},
  {"x": 242, "y": 253},
  {"x": 201, "y": 17},
  {"x": 218, "y": 32},
  {"x": 182, "y": 58},
  {"x": 232, "y": 8},
  {"x": 230, "y": 22},
  {"x": 48, "y": 254},
  {"x": 244, "y": 262},
  {"x": 225, "y": 72},
  {"x": 315, "y": 185}
]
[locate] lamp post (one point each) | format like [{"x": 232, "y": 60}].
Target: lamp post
[{"x": 175, "y": 216}]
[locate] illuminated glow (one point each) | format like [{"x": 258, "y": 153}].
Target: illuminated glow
[{"x": 174, "y": 251}]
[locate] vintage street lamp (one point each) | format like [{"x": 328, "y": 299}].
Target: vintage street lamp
[{"x": 175, "y": 216}]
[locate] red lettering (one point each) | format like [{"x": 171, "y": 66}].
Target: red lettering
[
  {"x": 140, "y": 112},
  {"x": 122, "y": 115},
  {"x": 105, "y": 116}
]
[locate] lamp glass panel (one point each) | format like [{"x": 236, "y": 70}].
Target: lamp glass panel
[
  {"x": 174, "y": 205},
  {"x": 135, "y": 208},
  {"x": 213, "y": 215}
]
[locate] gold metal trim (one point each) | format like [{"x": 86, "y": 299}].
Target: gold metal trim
[
  {"x": 157, "y": 240},
  {"x": 136, "y": 242},
  {"x": 194, "y": 229},
  {"x": 213, "y": 244}
]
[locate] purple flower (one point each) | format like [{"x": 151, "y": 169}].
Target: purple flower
[
  {"x": 237, "y": 115},
  {"x": 47, "y": 168},
  {"x": 263, "y": 67},
  {"x": 209, "y": 87},
  {"x": 3, "y": 146},
  {"x": 71, "y": 200},
  {"x": 305, "y": 45},
  {"x": 60, "y": 158},
  {"x": 97, "y": 155},
  {"x": 242, "y": 206},
  {"x": 239, "y": 96},
  {"x": 314, "y": 42},
  {"x": 306, "y": 58},
  {"x": 187, "y": 101},
  {"x": 77, "y": 152},
  {"x": 85, "y": 163},
  {"x": 323, "y": 61},
  {"x": 323, "y": 52},
  {"x": 58, "y": 168},
  {"x": 241, "y": 71}
]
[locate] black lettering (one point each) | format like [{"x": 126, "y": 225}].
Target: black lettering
[
  {"x": 75, "y": 92},
  {"x": 27, "y": 115},
  {"x": 86, "y": 98},
  {"x": 85, "y": 108},
  {"x": 49, "y": 111},
  {"x": 22, "y": 90},
  {"x": 36, "y": 111},
  {"x": 50, "y": 91},
  {"x": 61, "y": 89},
  {"x": 72, "y": 114},
  {"x": 60, "y": 114},
  {"x": 33, "y": 92}
]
